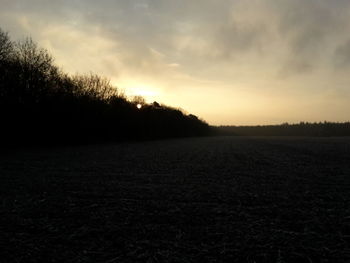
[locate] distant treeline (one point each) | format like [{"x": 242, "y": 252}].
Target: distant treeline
[
  {"x": 300, "y": 129},
  {"x": 39, "y": 103}
]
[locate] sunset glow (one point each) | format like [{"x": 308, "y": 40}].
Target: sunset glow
[{"x": 229, "y": 62}]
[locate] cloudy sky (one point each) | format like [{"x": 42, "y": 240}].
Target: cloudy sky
[{"x": 227, "y": 61}]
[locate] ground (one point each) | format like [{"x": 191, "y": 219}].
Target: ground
[{"x": 216, "y": 199}]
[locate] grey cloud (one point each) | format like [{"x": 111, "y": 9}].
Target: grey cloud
[
  {"x": 46, "y": 9},
  {"x": 308, "y": 24},
  {"x": 342, "y": 55},
  {"x": 295, "y": 66},
  {"x": 300, "y": 29},
  {"x": 233, "y": 39},
  {"x": 309, "y": 28},
  {"x": 304, "y": 31}
]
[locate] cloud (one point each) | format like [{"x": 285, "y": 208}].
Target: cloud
[
  {"x": 295, "y": 66},
  {"x": 342, "y": 55},
  {"x": 195, "y": 47},
  {"x": 292, "y": 33}
]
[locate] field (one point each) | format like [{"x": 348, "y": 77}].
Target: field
[{"x": 218, "y": 199}]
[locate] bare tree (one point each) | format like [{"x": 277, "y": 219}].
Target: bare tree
[
  {"x": 33, "y": 58},
  {"x": 6, "y": 46},
  {"x": 139, "y": 100},
  {"x": 35, "y": 68},
  {"x": 94, "y": 86}
]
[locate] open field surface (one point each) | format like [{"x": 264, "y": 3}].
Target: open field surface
[{"x": 220, "y": 199}]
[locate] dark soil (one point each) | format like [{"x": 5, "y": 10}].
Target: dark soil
[{"x": 221, "y": 199}]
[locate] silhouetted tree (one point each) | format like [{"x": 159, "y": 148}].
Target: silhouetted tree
[
  {"x": 6, "y": 52},
  {"x": 41, "y": 104},
  {"x": 6, "y": 46},
  {"x": 93, "y": 86},
  {"x": 285, "y": 129},
  {"x": 35, "y": 70},
  {"x": 156, "y": 104}
]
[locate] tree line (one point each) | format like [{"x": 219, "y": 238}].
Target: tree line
[
  {"x": 285, "y": 129},
  {"x": 40, "y": 103}
]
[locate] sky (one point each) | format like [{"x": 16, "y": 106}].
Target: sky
[{"x": 230, "y": 62}]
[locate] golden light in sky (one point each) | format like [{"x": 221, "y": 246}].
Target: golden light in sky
[
  {"x": 133, "y": 88},
  {"x": 229, "y": 62}
]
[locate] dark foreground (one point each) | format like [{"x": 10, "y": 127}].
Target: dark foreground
[{"x": 223, "y": 199}]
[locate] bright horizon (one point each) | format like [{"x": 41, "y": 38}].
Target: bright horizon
[{"x": 230, "y": 62}]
